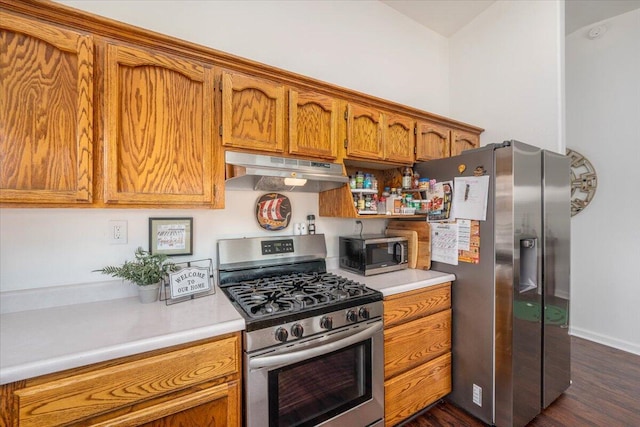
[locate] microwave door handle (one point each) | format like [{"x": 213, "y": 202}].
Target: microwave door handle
[
  {"x": 307, "y": 353},
  {"x": 395, "y": 252}
]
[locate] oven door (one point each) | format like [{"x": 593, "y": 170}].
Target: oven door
[{"x": 333, "y": 380}]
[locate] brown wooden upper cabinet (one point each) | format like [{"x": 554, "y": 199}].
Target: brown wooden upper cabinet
[
  {"x": 46, "y": 113},
  {"x": 433, "y": 141},
  {"x": 398, "y": 138},
  {"x": 461, "y": 141},
  {"x": 376, "y": 135},
  {"x": 365, "y": 133},
  {"x": 252, "y": 113},
  {"x": 313, "y": 124},
  {"x": 159, "y": 119}
]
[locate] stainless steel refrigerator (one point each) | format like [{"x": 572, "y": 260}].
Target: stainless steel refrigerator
[{"x": 511, "y": 347}]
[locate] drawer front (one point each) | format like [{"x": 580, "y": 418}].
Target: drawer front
[
  {"x": 416, "y": 389},
  {"x": 92, "y": 393},
  {"x": 411, "y": 344},
  {"x": 412, "y": 305}
]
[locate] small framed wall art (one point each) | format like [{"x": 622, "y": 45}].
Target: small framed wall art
[{"x": 171, "y": 236}]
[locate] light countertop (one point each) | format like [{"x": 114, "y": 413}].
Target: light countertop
[
  {"x": 38, "y": 342},
  {"x": 51, "y": 339},
  {"x": 399, "y": 281}
]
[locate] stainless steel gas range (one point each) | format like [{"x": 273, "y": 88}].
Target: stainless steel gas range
[{"x": 313, "y": 345}]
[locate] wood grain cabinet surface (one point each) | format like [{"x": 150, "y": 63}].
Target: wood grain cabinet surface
[
  {"x": 99, "y": 113},
  {"x": 193, "y": 385},
  {"x": 462, "y": 141},
  {"x": 46, "y": 113},
  {"x": 313, "y": 124},
  {"x": 252, "y": 113},
  {"x": 433, "y": 141},
  {"x": 373, "y": 134},
  {"x": 159, "y": 119},
  {"x": 417, "y": 350}
]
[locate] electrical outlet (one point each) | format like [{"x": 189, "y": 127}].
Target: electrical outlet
[
  {"x": 118, "y": 232},
  {"x": 477, "y": 395}
]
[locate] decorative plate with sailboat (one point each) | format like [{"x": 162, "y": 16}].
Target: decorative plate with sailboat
[{"x": 273, "y": 211}]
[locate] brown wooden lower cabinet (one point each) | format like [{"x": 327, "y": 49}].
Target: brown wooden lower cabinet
[
  {"x": 417, "y": 348},
  {"x": 189, "y": 385}
]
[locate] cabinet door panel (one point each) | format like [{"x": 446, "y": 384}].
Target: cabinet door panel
[
  {"x": 313, "y": 125},
  {"x": 364, "y": 132},
  {"x": 159, "y": 128},
  {"x": 408, "y": 306},
  {"x": 432, "y": 141},
  {"x": 215, "y": 406},
  {"x": 411, "y": 344},
  {"x": 398, "y": 139},
  {"x": 92, "y": 393},
  {"x": 252, "y": 113},
  {"x": 461, "y": 141},
  {"x": 416, "y": 389},
  {"x": 46, "y": 113}
]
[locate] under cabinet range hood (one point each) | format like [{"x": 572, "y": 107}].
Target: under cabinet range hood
[{"x": 268, "y": 173}]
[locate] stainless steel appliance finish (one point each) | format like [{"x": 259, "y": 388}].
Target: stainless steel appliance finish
[
  {"x": 313, "y": 345},
  {"x": 511, "y": 354},
  {"x": 371, "y": 254},
  {"x": 269, "y": 173}
]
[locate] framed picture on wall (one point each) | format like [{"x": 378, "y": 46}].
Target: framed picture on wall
[{"x": 171, "y": 236}]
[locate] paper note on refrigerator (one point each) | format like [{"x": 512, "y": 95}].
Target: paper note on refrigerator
[
  {"x": 444, "y": 243},
  {"x": 470, "y": 197}
]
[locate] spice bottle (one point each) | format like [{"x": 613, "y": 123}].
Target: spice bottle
[{"x": 407, "y": 177}]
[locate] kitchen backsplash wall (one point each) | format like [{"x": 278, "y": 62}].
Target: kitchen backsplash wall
[{"x": 52, "y": 247}]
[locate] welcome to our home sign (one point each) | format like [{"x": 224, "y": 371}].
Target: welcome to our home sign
[{"x": 190, "y": 280}]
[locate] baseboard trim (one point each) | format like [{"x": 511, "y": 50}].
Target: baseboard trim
[{"x": 606, "y": 340}]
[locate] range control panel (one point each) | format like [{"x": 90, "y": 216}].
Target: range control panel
[{"x": 271, "y": 247}]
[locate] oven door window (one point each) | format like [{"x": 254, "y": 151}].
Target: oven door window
[{"x": 318, "y": 389}]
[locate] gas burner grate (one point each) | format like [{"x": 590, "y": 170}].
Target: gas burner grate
[{"x": 269, "y": 296}]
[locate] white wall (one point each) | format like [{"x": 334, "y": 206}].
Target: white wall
[
  {"x": 506, "y": 73},
  {"x": 52, "y": 247},
  {"x": 603, "y": 123},
  {"x": 362, "y": 45}
]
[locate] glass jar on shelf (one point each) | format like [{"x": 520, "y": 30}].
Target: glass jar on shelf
[
  {"x": 359, "y": 180},
  {"x": 407, "y": 177}
]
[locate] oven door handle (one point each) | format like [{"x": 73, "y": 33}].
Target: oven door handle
[{"x": 298, "y": 356}]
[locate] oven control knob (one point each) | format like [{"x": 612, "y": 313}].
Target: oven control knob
[
  {"x": 297, "y": 330},
  {"x": 326, "y": 322},
  {"x": 364, "y": 313},
  {"x": 282, "y": 334},
  {"x": 352, "y": 316}
]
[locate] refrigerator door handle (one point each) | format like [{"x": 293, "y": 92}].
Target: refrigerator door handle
[{"x": 528, "y": 265}]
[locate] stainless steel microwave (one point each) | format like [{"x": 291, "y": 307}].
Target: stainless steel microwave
[{"x": 373, "y": 254}]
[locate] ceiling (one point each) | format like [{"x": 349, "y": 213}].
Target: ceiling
[{"x": 446, "y": 17}]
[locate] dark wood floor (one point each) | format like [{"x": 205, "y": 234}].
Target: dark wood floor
[{"x": 605, "y": 392}]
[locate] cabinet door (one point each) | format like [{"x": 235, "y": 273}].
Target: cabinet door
[
  {"x": 461, "y": 141},
  {"x": 398, "y": 138},
  {"x": 364, "y": 132},
  {"x": 432, "y": 141},
  {"x": 211, "y": 407},
  {"x": 46, "y": 113},
  {"x": 252, "y": 113},
  {"x": 313, "y": 125},
  {"x": 159, "y": 129}
]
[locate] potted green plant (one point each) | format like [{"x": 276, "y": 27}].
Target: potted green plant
[{"x": 146, "y": 270}]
